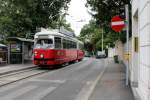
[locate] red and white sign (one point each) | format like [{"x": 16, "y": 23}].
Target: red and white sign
[{"x": 117, "y": 23}]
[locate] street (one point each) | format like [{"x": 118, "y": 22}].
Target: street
[
  {"x": 73, "y": 82},
  {"x": 94, "y": 50}
]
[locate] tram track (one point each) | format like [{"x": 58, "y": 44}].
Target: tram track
[
  {"x": 16, "y": 70},
  {"x": 17, "y": 76},
  {"x": 13, "y": 76}
]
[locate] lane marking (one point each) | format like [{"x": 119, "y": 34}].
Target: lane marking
[
  {"x": 88, "y": 89},
  {"x": 42, "y": 94},
  {"x": 51, "y": 81},
  {"x": 83, "y": 92},
  {"x": 82, "y": 66},
  {"x": 18, "y": 93},
  {"x": 9, "y": 87}
]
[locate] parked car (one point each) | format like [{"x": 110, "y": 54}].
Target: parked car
[
  {"x": 100, "y": 54},
  {"x": 87, "y": 54}
]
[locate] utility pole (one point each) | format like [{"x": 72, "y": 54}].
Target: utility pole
[
  {"x": 127, "y": 41},
  {"x": 102, "y": 40}
]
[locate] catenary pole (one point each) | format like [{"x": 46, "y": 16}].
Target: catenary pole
[
  {"x": 102, "y": 40},
  {"x": 127, "y": 41}
]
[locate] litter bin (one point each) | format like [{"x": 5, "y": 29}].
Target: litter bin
[{"x": 116, "y": 59}]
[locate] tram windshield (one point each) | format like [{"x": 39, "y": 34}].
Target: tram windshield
[{"x": 44, "y": 43}]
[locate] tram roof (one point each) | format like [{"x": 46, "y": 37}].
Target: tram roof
[
  {"x": 55, "y": 32},
  {"x": 49, "y": 32}
]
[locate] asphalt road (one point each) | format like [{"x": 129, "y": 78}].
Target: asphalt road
[{"x": 73, "y": 82}]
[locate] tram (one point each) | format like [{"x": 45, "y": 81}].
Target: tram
[{"x": 55, "y": 47}]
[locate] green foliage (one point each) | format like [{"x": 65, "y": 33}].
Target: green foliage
[
  {"x": 18, "y": 17},
  {"x": 103, "y": 10},
  {"x": 91, "y": 35}
]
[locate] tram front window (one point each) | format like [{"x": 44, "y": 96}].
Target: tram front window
[{"x": 44, "y": 43}]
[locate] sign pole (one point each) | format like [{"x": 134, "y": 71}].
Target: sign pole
[
  {"x": 117, "y": 24},
  {"x": 127, "y": 41}
]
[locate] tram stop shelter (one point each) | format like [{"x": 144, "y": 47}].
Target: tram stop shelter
[
  {"x": 3, "y": 54},
  {"x": 20, "y": 50}
]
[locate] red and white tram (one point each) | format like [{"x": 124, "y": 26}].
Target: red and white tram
[{"x": 54, "y": 48}]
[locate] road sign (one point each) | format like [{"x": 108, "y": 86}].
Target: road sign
[{"x": 117, "y": 23}]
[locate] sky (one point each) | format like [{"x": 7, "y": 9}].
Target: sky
[{"x": 78, "y": 15}]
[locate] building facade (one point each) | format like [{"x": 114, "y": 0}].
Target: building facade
[{"x": 140, "y": 71}]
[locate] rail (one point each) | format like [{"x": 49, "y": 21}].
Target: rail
[{"x": 13, "y": 77}]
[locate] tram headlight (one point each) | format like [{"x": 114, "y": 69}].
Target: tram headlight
[
  {"x": 42, "y": 56},
  {"x": 35, "y": 53}
]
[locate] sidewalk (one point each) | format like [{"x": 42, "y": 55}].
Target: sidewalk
[
  {"x": 14, "y": 67},
  {"x": 111, "y": 86}
]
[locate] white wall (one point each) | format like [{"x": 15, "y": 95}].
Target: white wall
[
  {"x": 111, "y": 52},
  {"x": 144, "y": 33},
  {"x": 142, "y": 7},
  {"x": 125, "y": 52},
  {"x": 119, "y": 50},
  {"x": 135, "y": 54}
]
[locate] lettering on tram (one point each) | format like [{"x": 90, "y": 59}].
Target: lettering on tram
[{"x": 55, "y": 47}]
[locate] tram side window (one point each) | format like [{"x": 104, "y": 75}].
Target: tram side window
[
  {"x": 64, "y": 44},
  {"x": 57, "y": 43},
  {"x": 67, "y": 44},
  {"x": 70, "y": 45},
  {"x": 74, "y": 45}
]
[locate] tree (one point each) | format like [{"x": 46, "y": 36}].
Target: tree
[
  {"x": 103, "y": 10},
  {"x": 91, "y": 35},
  {"x": 18, "y": 17}
]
